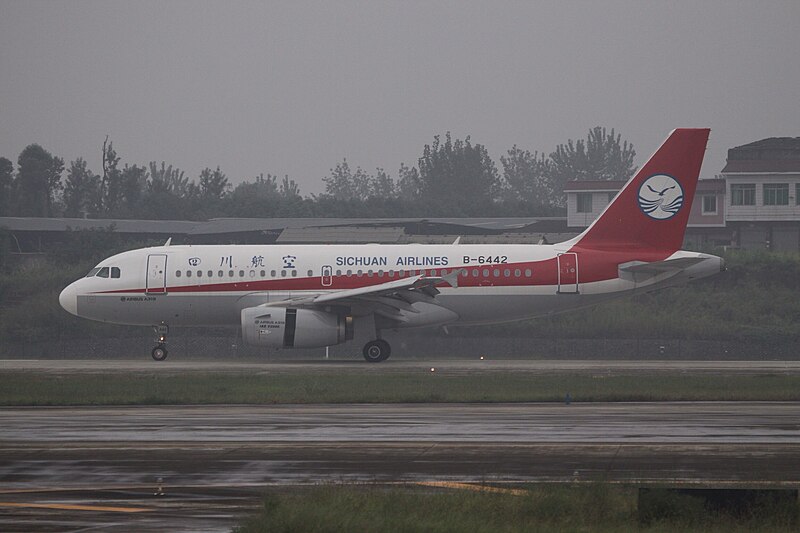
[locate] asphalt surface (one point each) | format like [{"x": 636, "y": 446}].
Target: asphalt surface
[
  {"x": 98, "y": 468},
  {"x": 393, "y": 366}
]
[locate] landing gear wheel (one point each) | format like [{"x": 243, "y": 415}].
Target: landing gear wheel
[
  {"x": 377, "y": 351},
  {"x": 159, "y": 353}
]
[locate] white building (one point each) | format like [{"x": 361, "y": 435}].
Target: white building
[{"x": 763, "y": 182}]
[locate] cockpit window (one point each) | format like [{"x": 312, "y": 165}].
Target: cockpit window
[
  {"x": 114, "y": 272},
  {"x": 103, "y": 273},
  {"x": 93, "y": 272}
]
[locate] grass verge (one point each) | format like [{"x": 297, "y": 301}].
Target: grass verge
[
  {"x": 600, "y": 508},
  {"x": 22, "y": 388}
]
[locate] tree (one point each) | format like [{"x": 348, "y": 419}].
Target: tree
[
  {"x": 289, "y": 189},
  {"x": 81, "y": 190},
  {"x": 6, "y": 186},
  {"x": 111, "y": 182},
  {"x": 38, "y": 181},
  {"x": 168, "y": 180},
  {"x": 600, "y": 157},
  {"x": 458, "y": 177},
  {"x": 408, "y": 183},
  {"x": 343, "y": 184},
  {"x": 526, "y": 177},
  {"x": 213, "y": 184}
]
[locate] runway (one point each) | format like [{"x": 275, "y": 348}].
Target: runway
[
  {"x": 451, "y": 366},
  {"x": 101, "y": 466}
]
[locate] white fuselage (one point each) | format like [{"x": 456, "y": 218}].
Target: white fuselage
[{"x": 211, "y": 285}]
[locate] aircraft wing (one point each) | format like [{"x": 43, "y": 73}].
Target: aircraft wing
[{"x": 394, "y": 299}]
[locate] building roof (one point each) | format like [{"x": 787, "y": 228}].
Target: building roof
[
  {"x": 166, "y": 227},
  {"x": 219, "y": 226},
  {"x": 750, "y": 166},
  {"x": 594, "y": 185}
]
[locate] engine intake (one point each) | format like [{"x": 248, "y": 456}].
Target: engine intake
[{"x": 294, "y": 328}]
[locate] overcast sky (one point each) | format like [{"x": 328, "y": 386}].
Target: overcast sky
[{"x": 293, "y": 87}]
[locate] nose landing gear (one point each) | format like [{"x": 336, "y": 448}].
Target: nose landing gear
[{"x": 160, "y": 352}]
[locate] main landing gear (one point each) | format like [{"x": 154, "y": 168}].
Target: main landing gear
[
  {"x": 160, "y": 352},
  {"x": 377, "y": 351}
]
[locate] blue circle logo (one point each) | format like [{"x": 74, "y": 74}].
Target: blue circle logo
[{"x": 660, "y": 197}]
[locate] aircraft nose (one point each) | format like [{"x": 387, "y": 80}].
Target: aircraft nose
[{"x": 69, "y": 299}]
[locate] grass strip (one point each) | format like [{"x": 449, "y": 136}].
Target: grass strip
[
  {"x": 553, "y": 508},
  {"x": 23, "y": 388}
]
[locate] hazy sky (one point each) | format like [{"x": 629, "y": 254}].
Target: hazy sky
[{"x": 293, "y": 87}]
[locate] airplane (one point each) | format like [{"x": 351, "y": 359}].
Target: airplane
[{"x": 306, "y": 296}]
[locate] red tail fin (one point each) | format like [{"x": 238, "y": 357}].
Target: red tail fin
[{"x": 652, "y": 209}]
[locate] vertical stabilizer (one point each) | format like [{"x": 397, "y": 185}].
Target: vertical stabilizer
[{"x": 652, "y": 209}]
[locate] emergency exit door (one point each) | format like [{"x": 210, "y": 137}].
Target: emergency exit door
[
  {"x": 327, "y": 276},
  {"x": 156, "y": 274},
  {"x": 568, "y": 273}
]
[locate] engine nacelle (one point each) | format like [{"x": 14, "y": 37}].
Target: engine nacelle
[{"x": 294, "y": 328}]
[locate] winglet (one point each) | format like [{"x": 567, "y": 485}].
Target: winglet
[{"x": 169, "y": 241}]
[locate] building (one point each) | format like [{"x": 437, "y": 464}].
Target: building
[{"x": 763, "y": 185}]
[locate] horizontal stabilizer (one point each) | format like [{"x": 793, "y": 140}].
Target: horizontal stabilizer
[{"x": 640, "y": 270}]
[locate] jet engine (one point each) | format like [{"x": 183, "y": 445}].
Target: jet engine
[{"x": 279, "y": 327}]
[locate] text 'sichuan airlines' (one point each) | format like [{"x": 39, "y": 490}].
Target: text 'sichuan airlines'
[{"x": 304, "y": 296}]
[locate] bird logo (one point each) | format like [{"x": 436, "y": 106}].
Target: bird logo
[{"x": 660, "y": 197}]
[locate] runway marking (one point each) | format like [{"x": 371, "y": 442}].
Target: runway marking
[
  {"x": 470, "y": 486},
  {"x": 72, "y": 507}
]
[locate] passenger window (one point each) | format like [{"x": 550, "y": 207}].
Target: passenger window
[
  {"x": 188, "y": 273},
  {"x": 177, "y": 273},
  {"x": 349, "y": 273},
  {"x": 433, "y": 272},
  {"x": 507, "y": 273},
  {"x": 220, "y": 273},
  {"x": 210, "y": 273},
  {"x": 241, "y": 273},
  {"x": 294, "y": 273},
  {"x": 369, "y": 273},
  {"x": 475, "y": 273},
  {"x": 485, "y": 272},
  {"x": 517, "y": 272},
  {"x": 528, "y": 272},
  {"x": 115, "y": 272},
  {"x": 103, "y": 273},
  {"x": 310, "y": 273},
  {"x": 93, "y": 272},
  {"x": 338, "y": 272},
  {"x": 199, "y": 273},
  {"x": 272, "y": 273},
  {"x": 283, "y": 273},
  {"x": 263, "y": 273},
  {"x": 230, "y": 273},
  {"x": 252, "y": 273}
]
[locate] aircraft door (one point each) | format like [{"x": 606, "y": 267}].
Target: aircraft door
[
  {"x": 568, "y": 273},
  {"x": 327, "y": 276},
  {"x": 156, "y": 274}
]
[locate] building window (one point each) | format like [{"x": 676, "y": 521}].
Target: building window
[
  {"x": 584, "y": 202},
  {"x": 743, "y": 194},
  {"x": 776, "y": 194},
  {"x": 710, "y": 204},
  {"x": 611, "y": 196},
  {"x": 797, "y": 193}
]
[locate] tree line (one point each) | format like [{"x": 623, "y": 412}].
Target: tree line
[{"x": 452, "y": 177}]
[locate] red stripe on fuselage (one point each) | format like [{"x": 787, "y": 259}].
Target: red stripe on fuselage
[{"x": 592, "y": 266}]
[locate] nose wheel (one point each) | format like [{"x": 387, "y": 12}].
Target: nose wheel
[
  {"x": 160, "y": 352},
  {"x": 377, "y": 351}
]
